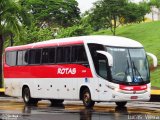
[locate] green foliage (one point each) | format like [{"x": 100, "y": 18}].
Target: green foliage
[
  {"x": 53, "y": 12},
  {"x": 12, "y": 16},
  {"x": 112, "y": 13},
  {"x": 135, "y": 12},
  {"x": 76, "y": 30},
  {"x": 155, "y": 3},
  {"x": 33, "y": 34},
  {"x": 106, "y": 13}
]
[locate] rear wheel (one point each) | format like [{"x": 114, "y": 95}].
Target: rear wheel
[
  {"x": 27, "y": 97},
  {"x": 121, "y": 104},
  {"x": 86, "y": 98}
]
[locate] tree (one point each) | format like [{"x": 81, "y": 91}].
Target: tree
[
  {"x": 12, "y": 16},
  {"x": 112, "y": 13},
  {"x": 33, "y": 34},
  {"x": 155, "y": 3},
  {"x": 76, "y": 30},
  {"x": 135, "y": 12},
  {"x": 108, "y": 13},
  {"x": 53, "y": 12}
]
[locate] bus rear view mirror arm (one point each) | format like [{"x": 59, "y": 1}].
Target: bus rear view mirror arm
[
  {"x": 154, "y": 58},
  {"x": 108, "y": 56}
]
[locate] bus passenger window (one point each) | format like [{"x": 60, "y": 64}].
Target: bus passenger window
[
  {"x": 45, "y": 55},
  {"x": 59, "y": 55},
  {"x": 48, "y": 55},
  {"x": 63, "y": 55},
  {"x": 25, "y": 57},
  {"x": 35, "y": 56},
  {"x": 11, "y": 58},
  {"x": 78, "y": 54},
  {"x": 67, "y": 54},
  {"x": 20, "y": 58},
  {"x": 38, "y": 56},
  {"x": 51, "y": 55}
]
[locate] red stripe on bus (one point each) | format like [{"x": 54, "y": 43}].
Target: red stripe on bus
[
  {"x": 47, "y": 71},
  {"x": 133, "y": 88}
]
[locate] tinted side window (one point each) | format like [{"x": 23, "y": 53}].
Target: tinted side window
[
  {"x": 51, "y": 55},
  {"x": 11, "y": 58},
  {"x": 25, "y": 57},
  {"x": 78, "y": 54},
  {"x": 45, "y": 55},
  {"x": 20, "y": 58},
  {"x": 48, "y": 55},
  {"x": 100, "y": 61},
  {"x": 35, "y": 56},
  {"x": 67, "y": 54},
  {"x": 59, "y": 55},
  {"x": 63, "y": 54}
]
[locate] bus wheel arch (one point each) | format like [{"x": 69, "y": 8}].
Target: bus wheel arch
[
  {"x": 85, "y": 96},
  {"x": 26, "y": 95},
  {"x": 24, "y": 86}
]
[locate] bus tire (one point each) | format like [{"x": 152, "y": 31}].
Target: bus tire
[
  {"x": 56, "y": 102},
  {"x": 27, "y": 97},
  {"x": 86, "y": 98},
  {"x": 121, "y": 104}
]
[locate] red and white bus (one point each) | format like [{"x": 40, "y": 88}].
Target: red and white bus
[{"x": 88, "y": 68}]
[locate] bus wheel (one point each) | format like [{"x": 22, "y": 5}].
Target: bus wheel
[
  {"x": 27, "y": 97},
  {"x": 56, "y": 102},
  {"x": 121, "y": 104},
  {"x": 86, "y": 98}
]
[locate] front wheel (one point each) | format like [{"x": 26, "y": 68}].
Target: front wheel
[
  {"x": 86, "y": 98},
  {"x": 121, "y": 104},
  {"x": 27, "y": 97}
]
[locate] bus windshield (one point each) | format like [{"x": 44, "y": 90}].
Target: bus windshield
[{"x": 130, "y": 65}]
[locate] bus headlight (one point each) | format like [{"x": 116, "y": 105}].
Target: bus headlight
[{"x": 116, "y": 89}]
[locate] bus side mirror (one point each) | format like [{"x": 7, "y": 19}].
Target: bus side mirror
[
  {"x": 154, "y": 58},
  {"x": 108, "y": 56}
]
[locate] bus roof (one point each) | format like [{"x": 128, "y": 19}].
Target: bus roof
[{"x": 99, "y": 39}]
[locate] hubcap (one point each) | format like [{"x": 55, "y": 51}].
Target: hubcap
[
  {"x": 86, "y": 97},
  {"x": 26, "y": 96}
]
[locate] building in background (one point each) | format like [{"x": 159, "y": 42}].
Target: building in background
[{"x": 155, "y": 12}]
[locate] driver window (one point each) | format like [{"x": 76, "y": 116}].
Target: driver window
[
  {"x": 100, "y": 61},
  {"x": 102, "y": 66}
]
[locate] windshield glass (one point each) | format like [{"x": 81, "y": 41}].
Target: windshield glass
[{"x": 129, "y": 65}]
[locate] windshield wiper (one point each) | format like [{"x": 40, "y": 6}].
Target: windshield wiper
[
  {"x": 126, "y": 71},
  {"x": 136, "y": 70}
]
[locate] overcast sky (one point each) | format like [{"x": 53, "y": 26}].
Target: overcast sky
[{"x": 87, "y": 4}]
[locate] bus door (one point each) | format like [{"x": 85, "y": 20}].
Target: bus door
[
  {"x": 103, "y": 71},
  {"x": 102, "y": 68}
]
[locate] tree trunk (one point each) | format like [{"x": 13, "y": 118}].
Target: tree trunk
[
  {"x": 1, "y": 65},
  {"x": 115, "y": 25}
]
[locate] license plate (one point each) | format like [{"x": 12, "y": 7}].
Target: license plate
[{"x": 134, "y": 97}]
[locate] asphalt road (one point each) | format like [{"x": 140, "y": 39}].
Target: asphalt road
[{"x": 14, "y": 109}]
